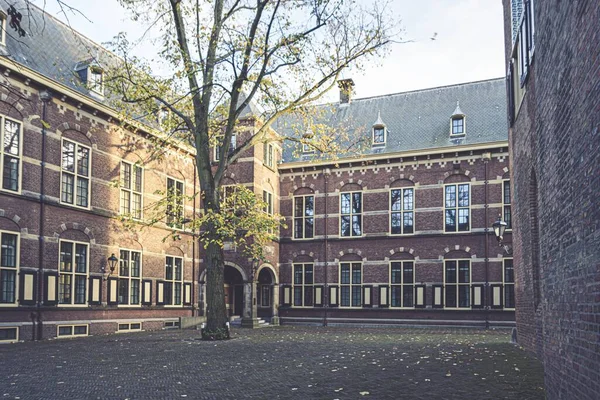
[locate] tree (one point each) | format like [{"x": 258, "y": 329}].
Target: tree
[{"x": 225, "y": 55}]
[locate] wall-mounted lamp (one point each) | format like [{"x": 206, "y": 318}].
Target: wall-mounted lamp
[
  {"x": 112, "y": 264},
  {"x": 499, "y": 226}
]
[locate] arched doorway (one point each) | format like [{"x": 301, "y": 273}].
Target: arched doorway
[
  {"x": 234, "y": 291},
  {"x": 264, "y": 293}
]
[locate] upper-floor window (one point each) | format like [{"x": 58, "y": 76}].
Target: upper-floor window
[
  {"x": 130, "y": 274},
  {"x": 402, "y": 280},
  {"x": 94, "y": 80},
  {"x": 506, "y": 208},
  {"x": 131, "y": 190},
  {"x": 525, "y": 41},
  {"x": 509, "y": 283},
  {"x": 350, "y": 284},
  {"x": 73, "y": 272},
  {"x": 457, "y": 211},
  {"x": 378, "y": 135},
  {"x": 174, "y": 280},
  {"x": 75, "y": 174},
  {"x": 174, "y": 202},
  {"x": 232, "y": 146},
  {"x": 268, "y": 154},
  {"x": 304, "y": 217},
  {"x": 10, "y": 151},
  {"x": 9, "y": 265},
  {"x": 268, "y": 199},
  {"x": 351, "y": 214},
  {"x": 402, "y": 211},
  {"x": 458, "y": 125},
  {"x": 303, "y": 285},
  {"x": 457, "y": 283},
  {"x": 307, "y": 148}
]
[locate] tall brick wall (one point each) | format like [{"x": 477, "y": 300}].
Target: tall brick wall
[{"x": 555, "y": 158}]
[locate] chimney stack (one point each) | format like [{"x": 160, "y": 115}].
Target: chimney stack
[{"x": 346, "y": 90}]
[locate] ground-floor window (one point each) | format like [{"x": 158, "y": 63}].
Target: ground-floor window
[
  {"x": 174, "y": 280},
  {"x": 130, "y": 273},
  {"x": 73, "y": 270},
  {"x": 350, "y": 284},
  {"x": 264, "y": 295},
  {"x": 402, "y": 280},
  {"x": 509, "y": 283},
  {"x": 457, "y": 283},
  {"x": 303, "y": 285},
  {"x": 9, "y": 264}
]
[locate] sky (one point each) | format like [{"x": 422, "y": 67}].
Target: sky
[{"x": 468, "y": 45}]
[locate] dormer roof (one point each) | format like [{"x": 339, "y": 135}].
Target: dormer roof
[{"x": 457, "y": 111}]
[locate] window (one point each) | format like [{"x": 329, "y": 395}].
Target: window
[
  {"x": 304, "y": 217},
  {"x": 350, "y": 284},
  {"x": 171, "y": 324},
  {"x": 174, "y": 280},
  {"x": 131, "y": 190},
  {"x": 75, "y": 176},
  {"x": 378, "y": 135},
  {"x": 402, "y": 211},
  {"x": 268, "y": 198},
  {"x": 9, "y": 264},
  {"x": 10, "y": 151},
  {"x": 458, "y": 125},
  {"x": 129, "y": 326},
  {"x": 307, "y": 148},
  {"x": 73, "y": 273},
  {"x": 174, "y": 203},
  {"x": 525, "y": 42},
  {"x": 94, "y": 81},
  {"x": 509, "y": 283},
  {"x": 264, "y": 296},
  {"x": 351, "y": 214},
  {"x": 9, "y": 334},
  {"x": 506, "y": 210},
  {"x": 456, "y": 210},
  {"x": 457, "y": 281},
  {"x": 232, "y": 146},
  {"x": 402, "y": 279},
  {"x": 71, "y": 330},
  {"x": 2, "y": 33},
  {"x": 268, "y": 154},
  {"x": 130, "y": 273},
  {"x": 303, "y": 285}
]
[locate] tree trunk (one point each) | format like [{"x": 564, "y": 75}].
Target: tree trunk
[{"x": 216, "y": 315}]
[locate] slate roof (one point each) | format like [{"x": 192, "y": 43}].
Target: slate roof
[{"x": 419, "y": 119}]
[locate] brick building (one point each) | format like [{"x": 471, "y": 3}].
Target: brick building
[
  {"x": 554, "y": 102},
  {"x": 398, "y": 235}
]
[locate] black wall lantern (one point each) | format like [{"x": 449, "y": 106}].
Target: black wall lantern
[
  {"x": 112, "y": 264},
  {"x": 499, "y": 227}
]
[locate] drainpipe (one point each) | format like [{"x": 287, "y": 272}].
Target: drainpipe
[
  {"x": 327, "y": 172},
  {"x": 486, "y": 158},
  {"x": 45, "y": 96},
  {"x": 194, "y": 238}
]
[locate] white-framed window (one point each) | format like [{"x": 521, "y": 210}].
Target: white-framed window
[
  {"x": 458, "y": 125},
  {"x": 304, "y": 217},
  {"x": 509, "y": 283},
  {"x": 130, "y": 276},
  {"x": 95, "y": 81},
  {"x": 171, "y": 324},
  {"x": 129, "y": 326},
  {"x": 402, "y": 281},
  {"x": 506, "y": 206},
  {"x": 10, "y": 152},
  {"x": 457, "y": 283},
  {"x": 457, "y": 207},
  {"x": 402, "y": 211},
  {"x": 75, "y": 174},
  {"x": 268, "y": 199},
  {"x": 232, "y": 146},
  {"x": 9, "y": 267},
  {"x": 350, "y": 284},
  {"x": 268, "y": 155},
  {"x": 303, "y": 287},
  {"x": 131, "y": 190},
  {"x": 307, "y": 148},
  {"x": 175, "y": 193},
  {"x": 72, "y": 330},
  {"x": 351, "y": 214},
  {"x": 379, "y": 135},
  {"x": 525, "y": 41},
  {"x": 264, "y": 296},
  {"x": 73, "y": 273},
  {"x": 9, "y": 334},
  {"x": 174, "y": 280}
]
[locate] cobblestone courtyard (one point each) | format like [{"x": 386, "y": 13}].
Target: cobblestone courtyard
[{"x": 284, "y": 362}]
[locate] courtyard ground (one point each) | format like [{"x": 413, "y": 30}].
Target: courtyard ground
[{"x": 274, "y": 363}]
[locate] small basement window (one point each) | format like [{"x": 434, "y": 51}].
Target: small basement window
[
  {"x": 9, "y": 334},
  {"x": 129, "y": 327},
  {"x": 72, "y": 330},
  {"x": 171, "y": 324}
]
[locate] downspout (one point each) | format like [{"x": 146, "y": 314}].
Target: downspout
[
  {"x": 486, "y": 157},
  {"x": 327, "y": 172},
  {"x": 194, "y": 239},
  {"x": 45, "y": 96}
]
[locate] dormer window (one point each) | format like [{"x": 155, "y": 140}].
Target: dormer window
[
  {"x": 457, "y": 122},
  {"x": 379, "y": 132},
  {"x": 2, "y": 28},
  {"x": 307, "y": 148},
  {"x": 92, "y": 75},
  {"x": 94, "y": 80}
]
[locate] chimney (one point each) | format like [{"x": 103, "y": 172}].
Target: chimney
[{"x": 346, "y": 90}]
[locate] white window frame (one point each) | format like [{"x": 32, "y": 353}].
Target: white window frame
[
  {"x": 93, "y": 84},
  {"x": 4, "y": 154},
  {"x": 180, "y": 204},
  {"x": 72, "y": 334},
  {"x": 402, "y": 284},
  {"x": 268, "y": 198},
  {"x": 302, "y": 218},
  {"x": 303, "y": 285},
  {"x": 75, "y": 174},
  {"x": 351, "y": 285},
  {"x": 16, "y": 339},
  {"x": 507, "y": 206},
  {"x": 73, "y": 274},
  {"x": 402, "y": 211},
  {"x": 173, "y": 282},
  {"x": 269, "y": 155},
  {"x": 261, "y": 291},
  {"x": 506, "y": 283},
  {"x": 464, "y": 125},
  {"x": 3, "y": 19},
  {"x": 458, "y": 284},
  {"x": 129, "y": 189},
  {"x": 456, "y": 207},
  {"x": 15, "y": 269},
  {"x": 351, "y": 215},
  {"x": 129, "y": 278},
  {"x": 130, "y": 327},
  {"x": 217, "y": 148},
  {"x": 375, "y": 128},
  {"x": 307, "y": 148}
]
